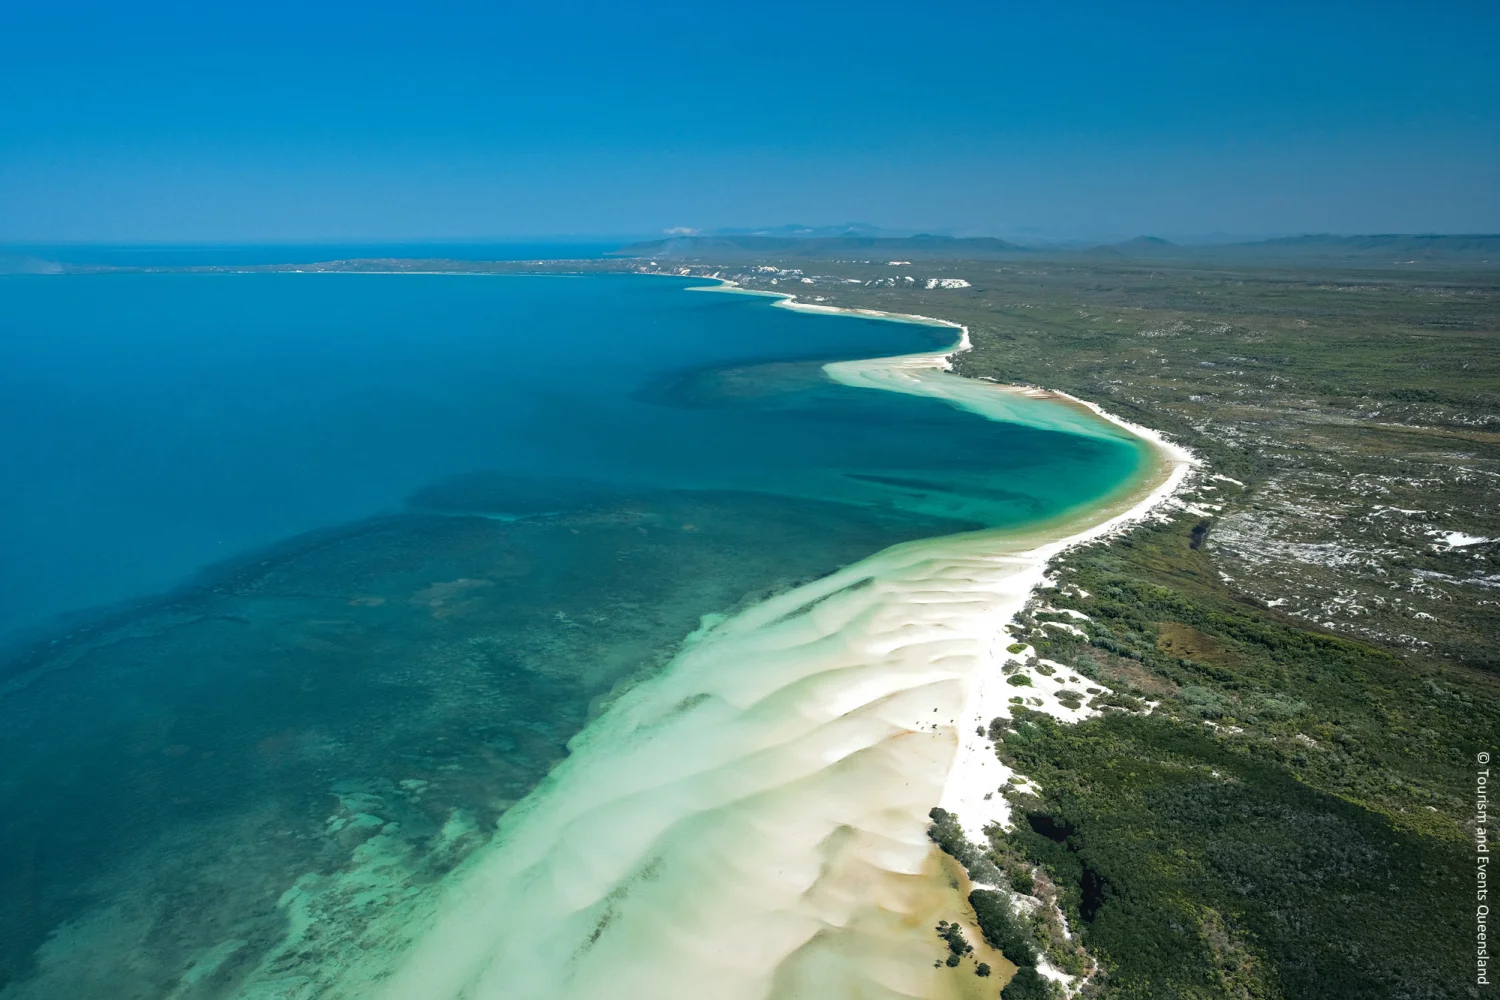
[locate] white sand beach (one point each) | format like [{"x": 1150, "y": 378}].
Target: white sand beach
[{"x": 752, "y": 822}]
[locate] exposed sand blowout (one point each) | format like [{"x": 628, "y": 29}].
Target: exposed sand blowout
[{"x": 752, "y": 822}]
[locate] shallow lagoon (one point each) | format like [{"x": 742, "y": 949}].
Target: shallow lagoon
[{"x": 454, "y": 517}]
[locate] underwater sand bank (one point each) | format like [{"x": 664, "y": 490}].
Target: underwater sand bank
[{"x": 752, "y": 822}]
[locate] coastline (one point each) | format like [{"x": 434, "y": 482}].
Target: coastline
[
  {"x": 929, "y": 373},
  {"x": 756, "y": 815},
  {"x": 1013, "y": 576},
  {"x": 968, "y": 792},
  {"x": 260, "y": 866}
]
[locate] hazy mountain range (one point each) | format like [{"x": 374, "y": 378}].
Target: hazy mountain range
[{"x": 867, "y": 242}]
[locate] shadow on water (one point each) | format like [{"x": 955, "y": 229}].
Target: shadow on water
[{"x": 172, "y": 771}]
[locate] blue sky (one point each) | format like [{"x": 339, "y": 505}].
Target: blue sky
[{"x": 281, "y": 121}]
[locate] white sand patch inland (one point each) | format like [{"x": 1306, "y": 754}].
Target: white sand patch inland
[
  {"x": 1070, "y": 612},
  {"x": 1460, "y": 539}
]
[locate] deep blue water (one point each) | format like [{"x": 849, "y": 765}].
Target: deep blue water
[
  {"x": 153, "y": 424},
  {"x": 31, "y": 257}
]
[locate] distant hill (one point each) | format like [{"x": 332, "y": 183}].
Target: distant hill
[
  {"x": 1371, "y": 250},
  {"x": 820, "y": 248},
  {"x": 1148, "y": 246}
]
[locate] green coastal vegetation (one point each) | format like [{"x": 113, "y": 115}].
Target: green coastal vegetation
[
  {"x": 1287, "y": 821},
  {"x": 1277, "y": 800}
]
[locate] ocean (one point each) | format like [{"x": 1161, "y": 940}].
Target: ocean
[
  {"x": 43, "y": 257},
  {"x": 317, "y": 586}
]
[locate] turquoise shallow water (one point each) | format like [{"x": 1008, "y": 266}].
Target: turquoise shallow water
[{"x": 407, "y": 535}]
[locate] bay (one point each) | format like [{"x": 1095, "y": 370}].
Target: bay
[{"x": 301, "y": 564}]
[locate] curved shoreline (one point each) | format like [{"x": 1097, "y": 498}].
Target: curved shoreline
[
  {"x": 968, "y": 792},
  {"x": 929, "y": 373},
  {"x": 756, "y": 815}
]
